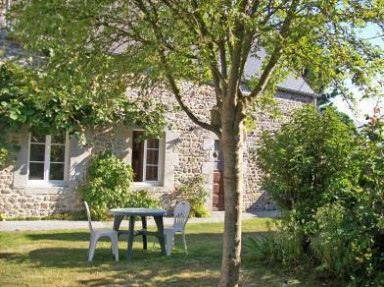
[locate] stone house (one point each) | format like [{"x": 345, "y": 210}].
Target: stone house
[{"x": 48, "y": 168}]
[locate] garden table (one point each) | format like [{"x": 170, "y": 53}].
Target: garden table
[{"x": 131, "y": 214}]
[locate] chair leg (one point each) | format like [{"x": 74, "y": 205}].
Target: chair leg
[
  {"x": 169, "y": 243},
  {"x": 89, "y": 248},
  {"x": 185, "y": 244},
  {"x": 92, "y": 246},
  {"x": 115, "y": 247}
]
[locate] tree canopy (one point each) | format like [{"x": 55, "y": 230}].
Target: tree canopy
[
  {"x": 145, "y": 43},
  {"x": 154, "y": 42}
]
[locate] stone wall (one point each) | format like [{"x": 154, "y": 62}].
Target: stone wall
[
  {"x": 22, "y": 202},
  {"x": 194, "y": 146},
  {"x": 254, "y": 196},
  {"x": 188, "y": 151},
  {"x": 188, "y": 148}
]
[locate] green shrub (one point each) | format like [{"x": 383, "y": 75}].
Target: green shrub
[
  {"x": 201, "y": 211},
  {"x": 142, "y": 198},
  {"x": 6, "y": 156},
  {"x": 77, "y": 215},
  {"x": 343, "y": 245},
  {"x": 332, "y": 242},
  {"x": 195, "y": 193},
  {"x": 329, "y": 182},
  {"x": 310, "y": 162},
  {"x": 283, "y": 247},
  {"x": 263, "y": 249},
  {"x": 106, "y": 185}
]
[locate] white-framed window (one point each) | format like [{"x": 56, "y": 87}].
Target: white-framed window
[
  {"x": 47, "y": 160},
  {"x": 146, "y": 158}
]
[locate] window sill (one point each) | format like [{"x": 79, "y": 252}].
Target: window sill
[
  {"x": 45, "y": 184},
  {"x": 145, "y": 184},
  {"x": 45, "y": 190}
]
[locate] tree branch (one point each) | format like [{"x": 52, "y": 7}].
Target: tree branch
[
  {"x": 276, "y": 54},
  {"x": 218, "y": 78},
  {"x": 172, "y": 82},
  {"x": 194, "y": 119}
]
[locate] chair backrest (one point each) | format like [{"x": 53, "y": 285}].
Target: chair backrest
[
  {"x": 181, "y": 214},
  {"x": 88, "y": 215}
]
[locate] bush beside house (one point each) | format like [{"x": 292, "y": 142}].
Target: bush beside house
[
  {"x": 328, "y": 180},
  {"x": 106, "y": 184}
]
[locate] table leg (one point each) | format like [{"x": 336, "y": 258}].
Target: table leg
[
  {"x": 160, "y": 233},
  {"x": 117, "y": 221},
  {"x": 144, "y": 225},
  {"x": 131, "y": 236}
]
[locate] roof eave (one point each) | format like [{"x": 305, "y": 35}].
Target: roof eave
[{"x": 303, "y": 93}]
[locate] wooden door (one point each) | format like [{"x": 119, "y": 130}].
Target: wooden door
[{"x": 218, "y": 176}]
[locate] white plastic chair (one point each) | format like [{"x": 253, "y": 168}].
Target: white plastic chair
[
  {"x": 180, "y": 214},
  {"x": 97, "y": 234}
]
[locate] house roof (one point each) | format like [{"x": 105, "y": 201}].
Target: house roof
[{"x": 292, "y": 83}]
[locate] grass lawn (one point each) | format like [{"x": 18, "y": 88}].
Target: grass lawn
[{"x": 58, "y": 258}]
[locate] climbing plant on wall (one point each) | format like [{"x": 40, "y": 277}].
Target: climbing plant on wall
[{"x": 32, "y": 98}]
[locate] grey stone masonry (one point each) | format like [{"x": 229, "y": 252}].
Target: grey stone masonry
[
  {"x": 22, "y": 202},
  {"x": 187, "y": 150}
]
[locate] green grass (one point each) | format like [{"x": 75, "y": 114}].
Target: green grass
[
  {"x": 58, "y": 258},
  {"x": 56, "y": 216}
]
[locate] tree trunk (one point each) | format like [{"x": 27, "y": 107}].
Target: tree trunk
[{"x": 231, "y": 144}]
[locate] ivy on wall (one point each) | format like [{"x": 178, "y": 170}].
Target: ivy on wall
[{"x": 29, "y": 97}]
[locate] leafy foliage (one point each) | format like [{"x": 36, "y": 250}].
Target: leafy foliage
[
  {"x": 342, "y": 230},
  {"x": 143, "y": 34},
  {"x": 13, "y": 85},
  {"x": 5, "y": 156},
  {"x": 196, "y": 194},
  {"x": 310, "y": 162},
  {"x": 369, "y": 212},
  {"x": 142, "y": 198},
  {"x": 107, "y": 184},
  {"x": 161, "y": 43},
  {"x": 33, "y": 98},
  {"x": 330, "y": 242},
  {"x": 283, "y": 247}
]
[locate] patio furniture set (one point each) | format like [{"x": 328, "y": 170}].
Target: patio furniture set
[{"x": 164, "y": 235}]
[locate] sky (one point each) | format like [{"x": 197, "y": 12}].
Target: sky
[{"x": 363, "y": 106}]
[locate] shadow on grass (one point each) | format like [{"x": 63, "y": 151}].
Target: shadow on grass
[
  {"x": 201, "y": 267},
  {"x": 201, "y": 247},
  {"x": 197, "y": 276},
  {"x": 60, "y": 236},
  {"x": 14, "y": 257}
]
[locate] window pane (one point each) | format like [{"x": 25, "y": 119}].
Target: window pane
[
  {"x": 36, "y": 170},
  {"x": 57, "y": 153},
  {"x": 153, "y": 157},
  {"x": 56, "y": 171},
  {"x": 218, "y": 157},
  {"x": 58, "y": 138},
  {"x": 153, "y": 143},
  {"x": 38, "y": 137},
  {"x": 152, "y": 173},
  {"x": 137, "y": 157},
  {"x": 37, "y": 152}
]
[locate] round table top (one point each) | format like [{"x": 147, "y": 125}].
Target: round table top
[{"x": 136, "y": 211}]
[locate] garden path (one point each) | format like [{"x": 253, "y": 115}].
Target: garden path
[{"x": 216, "y": 216}]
